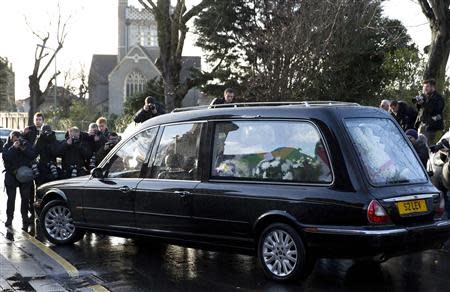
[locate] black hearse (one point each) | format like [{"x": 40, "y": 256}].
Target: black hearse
[{"x": 293, "y": 182}]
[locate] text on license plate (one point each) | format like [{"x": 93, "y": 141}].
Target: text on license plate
[{"x": 408, "y": 207}]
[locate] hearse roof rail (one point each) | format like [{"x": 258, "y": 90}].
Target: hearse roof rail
[{"x": 269, "y": 103}]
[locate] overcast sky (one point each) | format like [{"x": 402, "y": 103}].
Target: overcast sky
[{"x": 93, "y": 30}]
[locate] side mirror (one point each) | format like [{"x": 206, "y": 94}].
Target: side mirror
[{"x": 97, "y": 172}]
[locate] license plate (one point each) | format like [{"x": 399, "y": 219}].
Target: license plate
[{"x": 409, "y": 207}]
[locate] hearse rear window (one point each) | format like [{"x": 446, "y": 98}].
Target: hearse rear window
[
  {"x": 285, "y": 151},
  {"x": 384, "y": 152}
]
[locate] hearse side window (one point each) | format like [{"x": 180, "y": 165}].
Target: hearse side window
[
  {"x": 177, "y": 153},
  {"x": 127, "y": 161},
  {"x": 270, "y": 151}
]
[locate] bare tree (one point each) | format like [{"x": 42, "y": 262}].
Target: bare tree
[
  {"x": 172, "y": 29},
  {"x": 42, "y": 61},
  {"x": 438, "y": 15}
]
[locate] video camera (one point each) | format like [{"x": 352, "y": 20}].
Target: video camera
[
  {"x": 444, "y": 144},
  {"x": 419, "y": 98}
]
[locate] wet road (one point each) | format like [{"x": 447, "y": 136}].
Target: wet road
[{"x": 110, "y": 263}]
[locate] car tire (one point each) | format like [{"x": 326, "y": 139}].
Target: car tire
[
  {"x": 282, "y": 254},
  {"x": 57, "y": 223}
]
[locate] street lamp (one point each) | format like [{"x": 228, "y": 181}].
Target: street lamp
[{"x": 55, "y": 91}]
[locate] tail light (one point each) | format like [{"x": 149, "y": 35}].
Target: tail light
[
  {"x": 376, "y": 213},
  {"x": 440, "y": 209}
]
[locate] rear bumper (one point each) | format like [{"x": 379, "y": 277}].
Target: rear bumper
[{"x": 361, "y": 242}]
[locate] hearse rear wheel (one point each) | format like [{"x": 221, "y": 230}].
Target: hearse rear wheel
[{"x": 282, "y": 254}]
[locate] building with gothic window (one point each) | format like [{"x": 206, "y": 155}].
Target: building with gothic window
[{"x": 113, "y": 78}]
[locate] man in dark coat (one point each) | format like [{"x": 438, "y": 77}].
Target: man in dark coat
[
  {"x": 113, "y": 139},
  {"x": 32, "y": 132},
  {"x": 17, "y": 153},
  {"x": 151, "y": 109},
  {"x": 73, "y": 154},
  {"x": 419, "y": 145},
  {"x": 403, "y": 114},
  {"x": 93, "y": 140},
  {"x": 45, "y": 148},
  {"x": 228, "y": 97},
  {"x": 430, "y": 106}
]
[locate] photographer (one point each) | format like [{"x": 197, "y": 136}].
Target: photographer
[
  {"x": 73, "y": 154},
  {"x": 45, "y": 148},
  {"x": 403, "y": 114},
  {"x": 17, "y": 158},
  {"x": 93, "y": 140},
  {"x": 430, "y": 106},
  {"x": 151, "y": 109},
  {"x": 228, "y": 97},
  {"x": 113, "y": 139}
]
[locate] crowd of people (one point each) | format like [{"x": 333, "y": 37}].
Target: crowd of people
[
  {"x": 30, "y": 159},
  {"x": 422, "y": 122}
]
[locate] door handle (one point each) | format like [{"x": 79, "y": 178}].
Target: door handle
[
  {"x": 182, "y": 194},
  {"x": 125, "y": 189}
]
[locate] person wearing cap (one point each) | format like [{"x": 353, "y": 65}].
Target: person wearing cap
[
  {"x": 151, "y": 109},
  {"x": 420, "y": 145},
  {"x": 18, "y": 155}
]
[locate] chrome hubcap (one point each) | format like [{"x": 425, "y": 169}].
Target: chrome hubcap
[
  {"x": 279, "y": 253},
  {"x": 59, "y": 223}
]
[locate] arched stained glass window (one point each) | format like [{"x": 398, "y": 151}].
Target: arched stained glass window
[{"x": 135, "y": 83}]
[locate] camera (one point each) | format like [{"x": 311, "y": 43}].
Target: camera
[
  {"x": 75, "y": 140},
  {"x": 35, "y": 170},
  {"x": 92, "y": 161},
  {"x": 419, "y": 98},
  {"x": 73, "y": 171},
  {"x": 53, "y": 169},
  {"x": 22, "y": 141},
  {"x": 444, "y": 144}
]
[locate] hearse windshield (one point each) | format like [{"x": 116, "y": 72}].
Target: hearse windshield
[{"x": 384, "y": 152}]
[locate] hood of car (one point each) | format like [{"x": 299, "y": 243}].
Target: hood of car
[{"x": 65, "y": 183}]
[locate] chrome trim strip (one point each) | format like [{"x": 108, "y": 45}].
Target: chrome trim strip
[
  {"x": 337, "y": 231},
  {"x": 106, "y": 210},
  {"x": 162, "y": 215},
  {"x": 373, "y": 232},
  {"x": 412, "y": 197}
]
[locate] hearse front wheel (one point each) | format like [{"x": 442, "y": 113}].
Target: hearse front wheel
[
  {"x": 57, "y": 223},
  {"x": 282, "y": 255}
]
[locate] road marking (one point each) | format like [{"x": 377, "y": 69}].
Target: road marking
[
  {"x": 98, "y": 288},
  {"x": 70, "y": 269}
]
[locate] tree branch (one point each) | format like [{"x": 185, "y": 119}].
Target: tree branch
[
  {"x": 50, "y": 82},
  {"x": 194, "y": 11},
  {"x": 151, "y": 7},
  {"x": 427, "y": 10}
]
